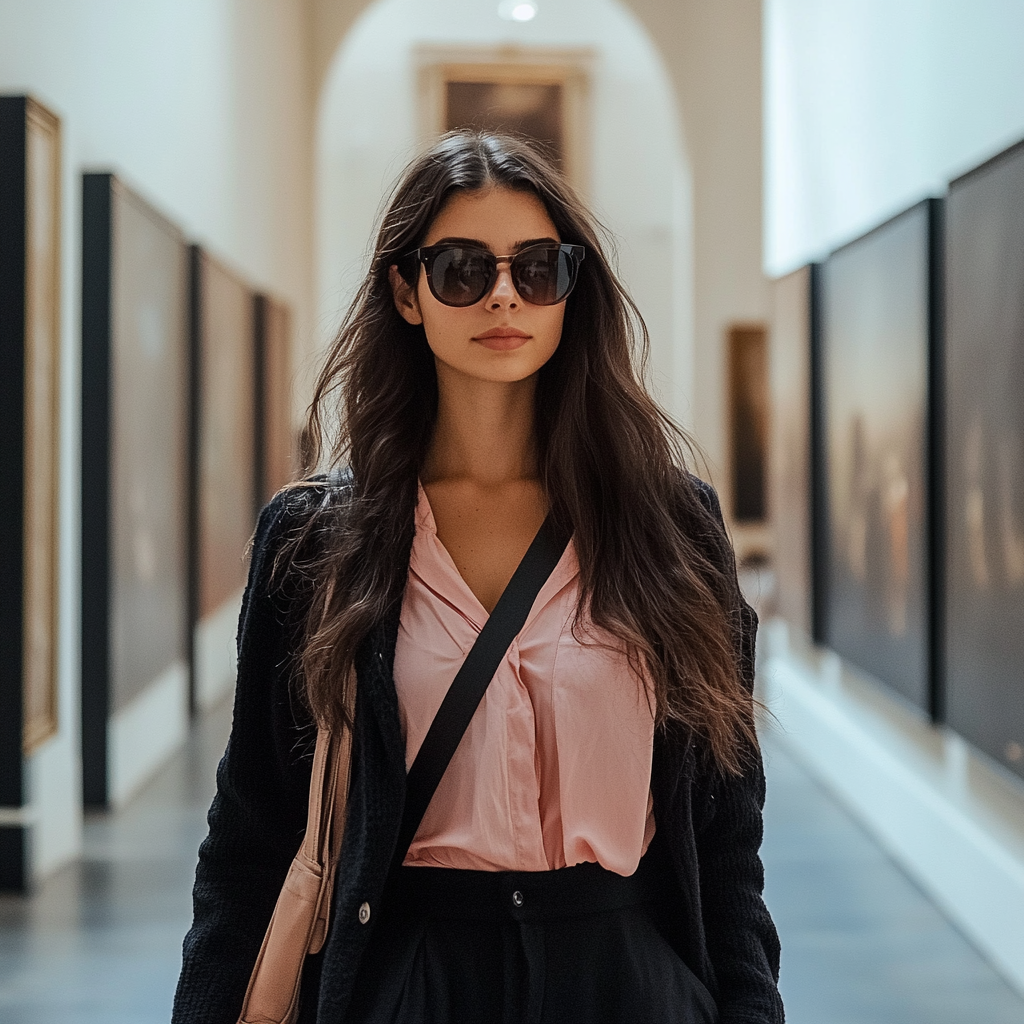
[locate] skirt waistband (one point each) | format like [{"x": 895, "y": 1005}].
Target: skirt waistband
[{"x": 521, "y": 895}]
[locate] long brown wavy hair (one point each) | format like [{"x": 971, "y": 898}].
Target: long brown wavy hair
[{"x": 611, "y": 463}]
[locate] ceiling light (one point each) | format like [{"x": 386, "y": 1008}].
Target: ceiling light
[{"x": 517, "y": 10}]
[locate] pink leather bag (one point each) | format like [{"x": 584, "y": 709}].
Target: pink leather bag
[{"x": 299, "y": 923}]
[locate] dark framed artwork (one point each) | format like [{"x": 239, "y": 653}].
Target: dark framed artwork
[
  {"x": 30, "y": 261},
  {"x": 504, "y": 104},
  {"x": 224, "y": 461},
  {"x": 749, "y": 421},
  {"x": 789, "y": 458},
  {"x": 542, "y": 93},
  {"x": 135, "y": 445},
  {"x": 276, "y": 442},
  {"x": 984, "y": 458},
  {"x": 875, "y": 374}
]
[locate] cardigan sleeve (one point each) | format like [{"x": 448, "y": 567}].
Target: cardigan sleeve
[
  {"x": 258, "y": 815},
  {"x": 742, "y": 942}
]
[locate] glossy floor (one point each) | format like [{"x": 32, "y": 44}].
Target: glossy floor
[{"x": 100, "y": 942}]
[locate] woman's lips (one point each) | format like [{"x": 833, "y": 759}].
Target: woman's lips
[{"x": 502, "y": 339}]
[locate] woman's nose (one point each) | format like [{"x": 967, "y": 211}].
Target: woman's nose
[{"x": 504, "y": 293}]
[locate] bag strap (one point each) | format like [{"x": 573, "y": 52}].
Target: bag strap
[
  {"x": 473, "y": 678},
  {"x": 301, "y": 916}
]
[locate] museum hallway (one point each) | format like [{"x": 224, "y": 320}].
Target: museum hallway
[
  {"x": 100, "y": 942},
  {"x": 816, "y": 211}
]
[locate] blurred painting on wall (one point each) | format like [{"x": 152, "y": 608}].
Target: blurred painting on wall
[
  {"x": 225, "y": 464},
  {"x": 30, "y": 263},
  {"x": 789, "y": 451},
  {"x": 533, "y": 109},
  {"x": 542, "y": 94},
  {"x": 135, "y": 419},
  {"x": 276, "y": 441},
  {"x": 30, "y": 343},
  {"x": 984, "y": 458},
  {"x": 42, "y": 383},
  {"x": 748, "y": 414},
  {"x": 875, "y": 377}
]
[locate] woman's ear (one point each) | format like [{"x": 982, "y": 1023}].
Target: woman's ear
[{"x": 406, "y": 300}]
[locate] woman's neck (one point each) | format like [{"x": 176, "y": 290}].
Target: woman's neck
[{"x": 484, "y": 431}]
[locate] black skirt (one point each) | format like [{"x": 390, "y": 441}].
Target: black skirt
[{"x": 482, "y": 947}]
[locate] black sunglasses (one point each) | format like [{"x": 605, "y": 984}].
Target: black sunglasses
[{"x": 460, "y": 275}]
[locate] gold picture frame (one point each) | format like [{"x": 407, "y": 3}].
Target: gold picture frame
[{"x": 42, "y": 422}]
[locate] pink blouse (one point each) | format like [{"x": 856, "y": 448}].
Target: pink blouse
[{"x": 555, "y": 767}]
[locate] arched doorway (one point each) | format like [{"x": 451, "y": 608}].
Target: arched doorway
[{"x": 629, "y": 156}]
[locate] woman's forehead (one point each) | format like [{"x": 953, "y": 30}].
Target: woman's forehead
[{"x": 500, "y": 218}]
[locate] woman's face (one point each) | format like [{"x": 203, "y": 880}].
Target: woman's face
[{"x": 501, "y": 338}]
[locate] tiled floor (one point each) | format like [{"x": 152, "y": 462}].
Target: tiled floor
[{"x": 100, "y": 943}]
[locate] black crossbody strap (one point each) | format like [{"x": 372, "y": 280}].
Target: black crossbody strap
[{"x": 473, "y": 678}]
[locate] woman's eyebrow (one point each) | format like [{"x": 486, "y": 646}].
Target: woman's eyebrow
[
  {"x": 451, "y": 240},
  {"x": 534, "y": 241},
  {"x": 476, "y": 243}
]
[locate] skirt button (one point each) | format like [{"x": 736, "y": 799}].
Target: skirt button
[
  {"x": 364, "y": 913},
  {"x": 517, "y": 898}
]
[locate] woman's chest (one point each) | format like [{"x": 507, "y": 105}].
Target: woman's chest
[{"x": 555, "y": 766}]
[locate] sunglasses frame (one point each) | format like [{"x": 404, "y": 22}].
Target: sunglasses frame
[{"x": 427, "y": 254}]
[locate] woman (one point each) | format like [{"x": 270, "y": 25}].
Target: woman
[{"x": 591, "y": 852}]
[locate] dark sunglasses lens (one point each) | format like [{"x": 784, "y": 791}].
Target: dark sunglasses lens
[
  {"x": 460, "y": 277},
  {"x": 544, "y": 276}
]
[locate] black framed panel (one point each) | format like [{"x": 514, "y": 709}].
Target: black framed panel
[
  {"x": 873, "y": 372},
  {"x": 30, "y": 261},
  {"x": 135, "y": 422},
  {"x": 984, "y": 464}
]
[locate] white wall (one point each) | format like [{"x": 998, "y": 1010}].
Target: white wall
[
  {"x": 204, "y": 106},
  {"x": 870, "y": 105},
  {"x": 640, "y": 182}
]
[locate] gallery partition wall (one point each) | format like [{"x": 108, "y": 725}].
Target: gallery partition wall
[
  {"x": 135, "y": 443},
  {"x": 877, "y": 342},
  {"x": 984, "y": 461},
  {"x": 30, "y": 151}
]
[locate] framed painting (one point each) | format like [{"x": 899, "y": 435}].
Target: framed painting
[
  {"x": 523, "y": 107},
  {"x": 789, "y": 452},
  {"x": 541, "y": 94},
  {"x": 276, "y": 441},
  {"x": 135, "y": 423},
  {"x": 30, "y": 328},
  {"x": 984, "y": 458},
  {"x": 748, "y": 421},
  {"x": 225, "y": 464},
  {"x": 875, "y": 370}
]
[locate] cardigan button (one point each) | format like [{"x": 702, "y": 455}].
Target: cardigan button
[
  {"x": 364, "y": 913},
  {"x": 517, "y": 898}
]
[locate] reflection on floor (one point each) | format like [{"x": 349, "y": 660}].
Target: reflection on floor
[{"x": 100, "y": 943}]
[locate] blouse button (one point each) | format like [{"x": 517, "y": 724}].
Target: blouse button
[
  {"x": 517, "y": 898},
  {"x": 364, "y": 913}
]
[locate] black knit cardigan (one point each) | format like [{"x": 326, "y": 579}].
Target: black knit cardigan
[{"x": 712, "y": 825}]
